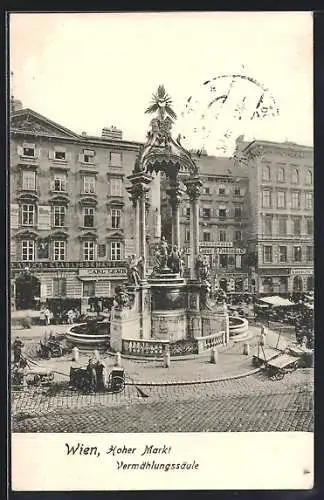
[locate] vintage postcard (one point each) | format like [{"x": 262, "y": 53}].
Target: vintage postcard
[{"x": 161, "y": 259}]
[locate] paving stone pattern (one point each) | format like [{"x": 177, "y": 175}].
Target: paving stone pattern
[{"x": 252, "y": 403}]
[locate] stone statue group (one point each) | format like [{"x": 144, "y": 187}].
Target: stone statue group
[{"x": 168, "y": 258}]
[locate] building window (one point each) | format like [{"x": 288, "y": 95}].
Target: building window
[
  {"x": 295, "y": 199},
  {"x": 102, "y": 250},
  {"x": 59, "y": 287},
  {"x": 309, "y": 177},
  {"x": 266, "y": 173},
  {"x": 266, "y": 198},
  {"x": 309, "y": 226},
  {"x": 115, "y": 159},
  {"x": 281, "y": 174},
  {"x": 29, "y": 180},
  {"x": 59, "y": 155},
  {"x": 267, "y": 254},
  {"x": 297, "y": 254},
  {"x": 297, "y": 226},
  {"x": 309, "y": 254},
  {"x": 206, "y": 190},
  {"x": 89, "y": 248},
  {"x": 188, "y": 212},
  {"x": 28, "y": 215},
  {"x": 222, "y": 235},
  {"x": 116, "y": 187},
  {"x": 27, "y": 250},
  {"x": 59, "y": 216},
  {"x": 237, "y": 192},
  {"x": 206, "y": 236},
  {"x": 281, "y": 199},
  {"x": 89, "y": 184},
  {"x": 88, "y": 289},
  {"x": 282, "y": 226},
  {"x": 238, "y": 235},
  {"x": 59, "y": 182},
  {"x": 237, "y": 212},
  {"x": 115, "y": 250},
  {"x": 268, "y": 224},
  {"x": 308, "y": 201},
  {"x": 221, "y": 191},
  {"x": 115, "y": 218},
  {"x": 282, "y": 254},
  {"x": 88, "y": 216},
  {"x": 88, "y": 156},
  {"x": 295, "y": 176},
  {"x": 222, "y": 212},
  {"x": 187, "y": 235},
  {"x": 29, "y": 151},
  {"x": 206, "y": 213},
  {"x": 59, "y": 250}
]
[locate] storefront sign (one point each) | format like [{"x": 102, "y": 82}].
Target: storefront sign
[
  {"x": 69, "y": 265},
  {"x": 302, "y": 271},
  {"x": 274, "y": 272},
  {"x": 206, "y": 251},
  {"x": 215, "y": 244},
  {"x": 230, "y": 251},
  {"x": 102, "y": 273}
]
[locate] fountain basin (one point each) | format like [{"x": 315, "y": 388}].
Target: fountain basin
[
  {"x": 237, "y": 325},
  {"x": 90, "y": 335}
]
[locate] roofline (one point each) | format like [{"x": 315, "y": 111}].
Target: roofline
[{"x": 260, "y": 142}]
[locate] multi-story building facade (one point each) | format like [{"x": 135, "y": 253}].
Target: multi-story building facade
[
  {"x": 281, "y": 198},
  {"x": 224, "y": 219},
  {"x": 72, "y": 221}
]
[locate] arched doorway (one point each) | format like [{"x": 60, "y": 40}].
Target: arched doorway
[
  {"x": 27, "y": 288},
  {"x": 310, "y": 283},
  {"x": 223, "y": 284},
  {"x": 297, "y": 284}
]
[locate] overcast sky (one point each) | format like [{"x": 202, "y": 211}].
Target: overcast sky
[{"x": 88, "y": 71}]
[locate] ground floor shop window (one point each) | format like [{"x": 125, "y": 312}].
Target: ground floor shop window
[
  {"x": 310, "y": 283},
  {"x": 59, "y": 287}
]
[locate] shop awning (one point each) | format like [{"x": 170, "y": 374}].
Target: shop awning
[{"x": 277, "y": 301}]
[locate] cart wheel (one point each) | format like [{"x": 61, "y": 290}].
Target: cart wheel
[
  {"x": 279, "y": 375},
  {"x": 118, "y": 384},
  {"x": 37, "y": 380}
]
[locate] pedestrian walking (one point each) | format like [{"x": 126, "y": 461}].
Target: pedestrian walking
[
  {"x": 17, "y": 349},
  {"x": 42, "y": 317},
  {"x": 71, "y": 316},
  {"x": 263, "y": 335},
  {"x": 48, "y": 316}
]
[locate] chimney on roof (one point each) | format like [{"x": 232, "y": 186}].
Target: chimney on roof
[
  {"x": 112, "y": 133},
  {"x": 15, "y": 105}
]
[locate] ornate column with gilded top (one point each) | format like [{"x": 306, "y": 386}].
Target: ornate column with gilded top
[{"x": 193, "y": 185}]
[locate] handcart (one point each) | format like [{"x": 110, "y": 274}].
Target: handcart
[
  {"x": 278, "y": 367},
  {"x": 81, "y": 379}
]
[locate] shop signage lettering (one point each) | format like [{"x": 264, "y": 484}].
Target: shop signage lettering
[
  {"x": 230, "y": 251},
  {"x": 215, "y": 244},
  {"x": 302, "y": 271},
  {"x": 274, "y": 272},
  {"x": 69, "y": 265},
  {"x": 102, "y": 272}
]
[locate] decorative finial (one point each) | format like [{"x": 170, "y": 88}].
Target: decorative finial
[{"x": 161, "y": 102}]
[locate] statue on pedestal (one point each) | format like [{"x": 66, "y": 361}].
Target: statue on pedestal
[
  {"x": 202, "y": 268},
  {"x": 174, "y": 260},
  {"x": 134, "y": 270},
  {"x": 122, "y": 298}
]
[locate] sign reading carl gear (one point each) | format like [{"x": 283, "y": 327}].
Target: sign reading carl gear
[{"x": 102, "y": 273}]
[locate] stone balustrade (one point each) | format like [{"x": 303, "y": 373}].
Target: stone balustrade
[
  {"x": 148, "y": 347},
  {"x": 210, "y": 341}
]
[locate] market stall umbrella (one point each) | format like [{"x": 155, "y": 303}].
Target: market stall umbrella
[{"x": 277, "y": 301}]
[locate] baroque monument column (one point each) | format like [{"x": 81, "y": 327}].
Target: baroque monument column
[
  {"x": 175, "y": 198},
  {"x": 193, "y": 185}
]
